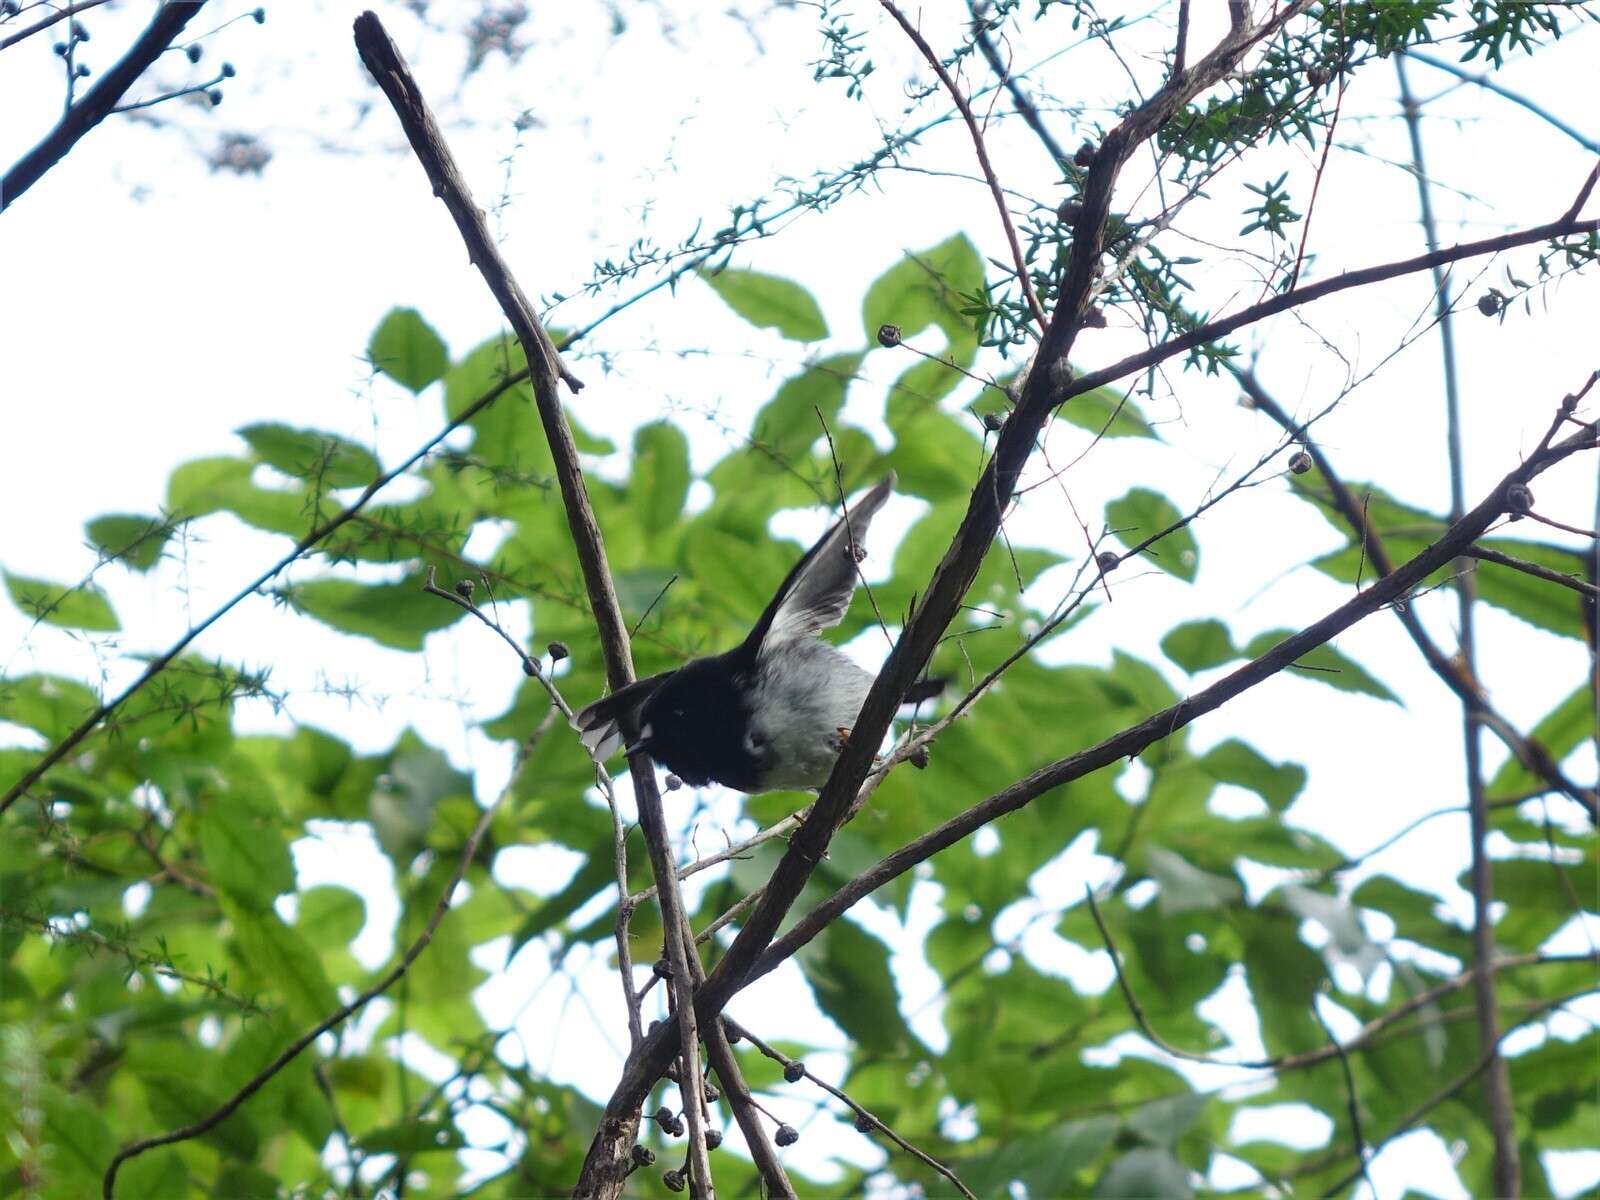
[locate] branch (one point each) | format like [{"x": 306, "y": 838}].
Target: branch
[
  {"x": 1017, "y": 259},
  {"x": 1582, "y": 587},
  {"x": 1566, "y": 225},
  {"x": 1489, "y": 85},
  {"x": 1023, "y": 103},
  {"x": 60, "y": 14},
  {"x": 1458, "y": 679},
  {"x": 389, "y": 69},
  {"x": 98, "y": 101},
  {"x": 259, "y": 1079}
]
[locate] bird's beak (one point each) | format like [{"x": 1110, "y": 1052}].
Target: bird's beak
[{"x": 643, "y": 743}]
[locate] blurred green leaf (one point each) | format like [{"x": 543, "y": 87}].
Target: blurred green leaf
[
  {"x": 848, "y": 970},
  {"x": 1238, "y": 763},
  {"x": 244, "y": 853},
  {"x": 1141, "y": 514},
  {"x": 1106, "y": 413},
  {"x": 769, "y": 302},
  {"x": 279, "y": 958},
  {"x": 1323, "y": 665},
  {"x": 1145, "y": 1174},
  {"x": 132, "y": 540},
  {"x": 660, "y": 475},
  {"x": 398, "y": 615},
  {"x": 324, "y": 459},
  {"x": 1184, "y": 887},
  {"x": 82, "y": 607},
  {"x": 1198, "y": 645},
  {"x": 1560, "y": 732},
  {"x": 408, "y": 350}
]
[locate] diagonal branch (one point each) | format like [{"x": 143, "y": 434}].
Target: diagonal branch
[
  {"x": 99, "y": 100},
  {"x": 1460, "y": 681}
]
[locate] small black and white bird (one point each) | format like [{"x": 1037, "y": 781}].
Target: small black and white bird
[{"x": 773, "y": 713}]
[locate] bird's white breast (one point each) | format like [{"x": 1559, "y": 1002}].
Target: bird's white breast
[{"x": 804, "y": 695}]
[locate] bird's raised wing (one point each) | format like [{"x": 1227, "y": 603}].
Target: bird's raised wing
[
  {"x": 599, "y": 724},
  {"x": 816, "y": 593}
]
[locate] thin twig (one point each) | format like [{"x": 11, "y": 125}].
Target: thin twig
[
  {"x": 1582, "y": 587},
  {"x": 960, "y": 99},
  {"x": 1489, "y": 85},
  {"x": 1555, "y": 524},
  {"x": 1352, "y": 1100},
  {"x": 60, "y": 14}
]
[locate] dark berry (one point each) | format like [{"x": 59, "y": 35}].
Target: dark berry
[
  {"x": 193, "y": 51},
  {"x": 793, "y": 1072},
  {"x": 888, "y": 335},
  {"x": 787, "y": 1135},
  {"x": 1300, "y": 462}
]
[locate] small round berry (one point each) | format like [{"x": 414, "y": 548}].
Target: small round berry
[
  {"x": 674, "y": 1180},
  {"x": 464, "y": 588},
  {"x": 673, "y": 782},
  {"x": 558, "y": 651},
  {"x": 81, "y": 71},
  {"x": 1085, "y": 155},
  {"x": 1489, "y": 304},
  {"x": 662, "y": 968},
  {"x": 864, "y": 1123},
  {"x": 79, "y": 33},
  {"x": 1070, "y": 210},
  {"x": 787, "y": 1135},
  {"x": 888, "y": 335},
  {"x": 1318, "y": 76},
  {"x": 1095, "y": 318},
  {"x": 643, "y": 1156},
  {"x": 227, "y": 71},
  {"x": 919, "y": 758},
  {"x": 193, "y": 52},
  {"x": 993, "y": 422},
  {"x": 1519, "y": 498},
  {"x": 674, "y": 1127},
  {"x": 259, "y": 16},
  {"x": 662, "y": 1115},
  {"x": 1107, "y": 561},
  {"x": 713, "y": 1138},
  {"x": 530, "y": 668},
  {"x": 1300, "y": 462},
  {"x": 793, "y": 1072},
  {"x": 60, "y": 48},
  {"x": 712, "y": 1095},
  {"x": 215, "y": 96}
]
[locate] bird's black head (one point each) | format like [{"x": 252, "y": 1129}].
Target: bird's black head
[{"x": 697, "y": 725}]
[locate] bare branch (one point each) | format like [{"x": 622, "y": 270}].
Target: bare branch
[
  {"x": 99, "y": 100},
  {"x": 1582, "y": 587}
]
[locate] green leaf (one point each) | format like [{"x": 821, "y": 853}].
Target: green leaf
[
  {"x": 1145, "y": 1174},
  {"x": 925, "y": 288},
  {"x": 244, "y": 852},
  {"x": 330, "y": 916},
  {"x": 1165, "y": 1120},
  {"x": 848, "y": 970},
  {"x": 82, "y": 607},
  {"x": 1324, "y": 665},
  {"x": 325, "y": 459},
  {"x": 392, "y": 614},
  {"x": 408, "y": 350},
  {"x": 281, "y": 959},
  {"x": 1238, "y": 763},
  {"x": 1143, "y": 513},
  {"x": 1044, "y": 1162},
  {"x": 1560, "y": 732},
  {"x": 132, "y": 540},
  {"x": 660, "y": 482},
  {"x": 47, "y": 704},
  {"x": 769, "y": 302},
  {"x": 1106, "y": 413},
  {"x": 1186, "y": 888},
  {"x": 412, "y": 1137},
  {"x": 1199, "y": 645}
]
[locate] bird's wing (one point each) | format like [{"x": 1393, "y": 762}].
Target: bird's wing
[
  {"x": 599, "y": 724},
  {"x": 816, "y": 593}
]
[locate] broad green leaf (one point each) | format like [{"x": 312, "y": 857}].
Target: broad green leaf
[
  {"x": 593, "y": 875},
  {"x": 279, "y": 958},
  {"x": 1348, "y": 938},
  {"x": 402, "y": 804},
  {"x": 1560, "y": 732},
  {"x": 132, "y": 540},
  {"x": 81, "y": 607},
  {"x": 412, "y": 1138},
  {"x": 1165, "y": 1120},
  {"x": 330, "y": 916},
  {"x": 244, "y": 852},
  {"x": 1143, "y": 513},
  {"x": 325, "y": 460},
  {"x": 1323, "y": 665},
  {"x": 848, "y": 970},
  {"x": 392, "y": 614},
  {"x": 926, "y": 288},
  {"x": 769, "y": 302},
  {"x": 1239, "y": 763},
  {"x": 1044, "y": 1162},
  {"x": 408, "y": 350},
  {"x": 660, "y": 481},
  {"x": 1198, "y": 645},
  {"x": 1186, "y": 888},
  {"x": 208, "y": 485},
  {"x": 48, "y": 704},
  {"x": 1106, "y": 413},
  {"x": 789, "y": 425},
  {"x": 1145, "y": 1174},
  {"x": 77, "y": 1136}
]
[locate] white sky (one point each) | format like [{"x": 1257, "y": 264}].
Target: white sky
[{"x": 154, "y": 306}]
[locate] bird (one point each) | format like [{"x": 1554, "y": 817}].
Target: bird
[{"x": 774, "y": 712}]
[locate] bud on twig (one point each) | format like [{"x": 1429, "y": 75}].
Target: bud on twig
[
  {"x": 1519, "y": 499},
  {"x": 787, "y": 1135},
  {"x": 558, "y": 651},
  {"x": 793, "y": 1072},
  {"x": 1107, "y": 561},
  {"x": 1300, "y": 462},
  {"x": 888, "y": 335},
  {"x": 464, "y": 588}
]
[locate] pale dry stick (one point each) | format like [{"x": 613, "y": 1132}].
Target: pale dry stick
[
  {"x": 259, "y": 1079},
  {"x": 383, "y": 60},
  {"x": 619, "y": 840},
  {"x": 862, "y": 1114},
  {"x": 1581, "y": 586},
  {"x": 738, "y": 850},
  {"x": 982, "y": 150}
]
